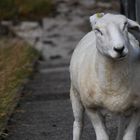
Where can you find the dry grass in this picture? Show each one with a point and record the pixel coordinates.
(15, 60)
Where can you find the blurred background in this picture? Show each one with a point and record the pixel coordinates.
(37, 39)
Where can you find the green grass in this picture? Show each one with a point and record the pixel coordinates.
(25, 9)
(16, 58)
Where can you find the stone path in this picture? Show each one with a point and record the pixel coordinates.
(44, 111)
(56, 37)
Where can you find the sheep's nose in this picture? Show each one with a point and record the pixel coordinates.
(119, 50)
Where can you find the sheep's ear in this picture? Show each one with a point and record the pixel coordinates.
(94, 18)
(133, 24)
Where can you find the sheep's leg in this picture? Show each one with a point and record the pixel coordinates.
(121, 127)
(78, 111)
(98, 124)
(130, 133)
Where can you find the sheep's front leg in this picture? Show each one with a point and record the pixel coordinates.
(121, 127)
(130, 133)
(78, 111)
(98, 125)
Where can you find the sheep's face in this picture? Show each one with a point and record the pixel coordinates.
(112, 35)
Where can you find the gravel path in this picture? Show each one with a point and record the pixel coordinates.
(44, 111)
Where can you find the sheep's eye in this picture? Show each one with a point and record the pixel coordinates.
(99, 31)
(125, 26)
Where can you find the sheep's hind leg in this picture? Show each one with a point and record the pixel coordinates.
(78, 111)
(98, 124)
(130, 133)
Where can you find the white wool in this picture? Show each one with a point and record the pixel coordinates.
(99, 75)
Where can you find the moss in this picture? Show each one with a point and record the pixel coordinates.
(16, 58)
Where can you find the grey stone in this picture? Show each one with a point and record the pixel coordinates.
(87, 3)
(26, 25)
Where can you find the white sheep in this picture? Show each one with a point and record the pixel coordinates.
(105, 74)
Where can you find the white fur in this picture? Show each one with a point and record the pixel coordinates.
(103, 78)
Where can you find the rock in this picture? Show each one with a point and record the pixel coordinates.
(7, 23)
(37, 33)
(27, 25)
(50, 24)
(29, 31)
(87, 3)
(106, 5)
(39, 46)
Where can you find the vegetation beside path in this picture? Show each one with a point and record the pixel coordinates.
(16, 60)
(16, 56)
(25, 9)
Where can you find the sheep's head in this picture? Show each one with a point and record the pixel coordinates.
(112, 34)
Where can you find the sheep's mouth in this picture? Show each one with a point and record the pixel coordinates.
(121, 56)
(115, 55)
